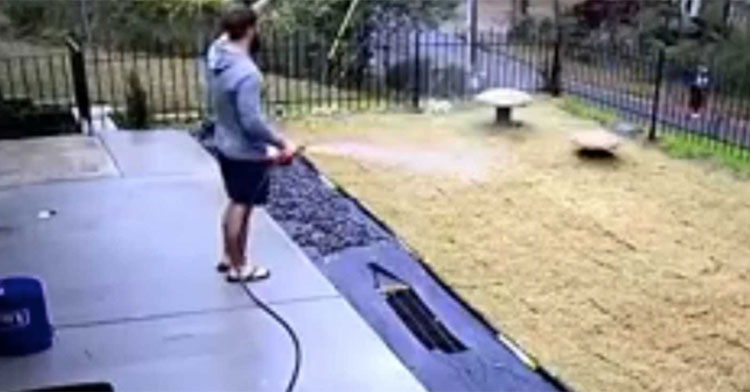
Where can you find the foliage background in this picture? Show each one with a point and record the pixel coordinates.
(135, 23)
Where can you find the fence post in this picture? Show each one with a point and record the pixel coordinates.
(555, 83)
(80, 84)
(657, 93)
(417, 77)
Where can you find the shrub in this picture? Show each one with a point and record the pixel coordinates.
(321, 19)
(136, 102)
(130, 23)
(401, 75)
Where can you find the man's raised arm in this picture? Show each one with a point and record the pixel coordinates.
(258, 5)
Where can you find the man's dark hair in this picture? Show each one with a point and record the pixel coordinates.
(237, 20)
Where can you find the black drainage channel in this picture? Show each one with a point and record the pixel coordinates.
(446, 344)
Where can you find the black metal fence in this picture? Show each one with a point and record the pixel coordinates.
(395, 69)
(37, 93)
(388, 70)
(611, 78)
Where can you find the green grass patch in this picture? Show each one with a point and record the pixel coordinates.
(684, 146)
(581, 108)
(675, 142)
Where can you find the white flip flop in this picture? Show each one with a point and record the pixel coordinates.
(248, 273)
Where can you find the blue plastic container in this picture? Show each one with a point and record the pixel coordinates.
(24, 324)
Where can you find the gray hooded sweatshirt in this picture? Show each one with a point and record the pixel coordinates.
(242, 132)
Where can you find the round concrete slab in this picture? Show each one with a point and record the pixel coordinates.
(596, 141)
(504, 97)
(504, 100)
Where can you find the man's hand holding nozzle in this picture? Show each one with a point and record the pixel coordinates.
(286, 155)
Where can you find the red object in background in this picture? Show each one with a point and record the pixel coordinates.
(596, 12)
(696, 100)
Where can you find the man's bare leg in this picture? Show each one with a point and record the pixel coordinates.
(235, 233)
(242, 241)
(226, 260)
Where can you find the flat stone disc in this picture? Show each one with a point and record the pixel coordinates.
(504, 97)
(596, 141)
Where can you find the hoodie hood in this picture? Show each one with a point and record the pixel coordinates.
(212, 54)
(218, 57)
(229, 63)
(221, 52)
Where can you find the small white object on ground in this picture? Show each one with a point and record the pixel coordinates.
(596, 141)
(46, 214)
(504, 100)
(437, 106)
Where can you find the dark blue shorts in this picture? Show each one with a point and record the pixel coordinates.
(246, 182)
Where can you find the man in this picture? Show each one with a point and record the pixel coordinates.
(246, 145)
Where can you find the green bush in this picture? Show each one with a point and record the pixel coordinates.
(37, 19)
(174, 23)
(321, 19)
(119, 22)
(136, 103)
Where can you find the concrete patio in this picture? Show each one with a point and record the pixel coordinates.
(128, 261)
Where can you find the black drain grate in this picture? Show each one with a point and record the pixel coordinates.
(415, 314)
(422, 323)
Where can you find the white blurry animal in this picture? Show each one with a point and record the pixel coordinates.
(437, 106)
(324, 110)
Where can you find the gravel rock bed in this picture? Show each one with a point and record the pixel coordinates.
(316, 217)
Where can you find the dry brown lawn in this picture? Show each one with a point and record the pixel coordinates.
(623, 275)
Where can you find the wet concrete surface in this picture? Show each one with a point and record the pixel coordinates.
(56, 158)
(158, 153)
(128, 264)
